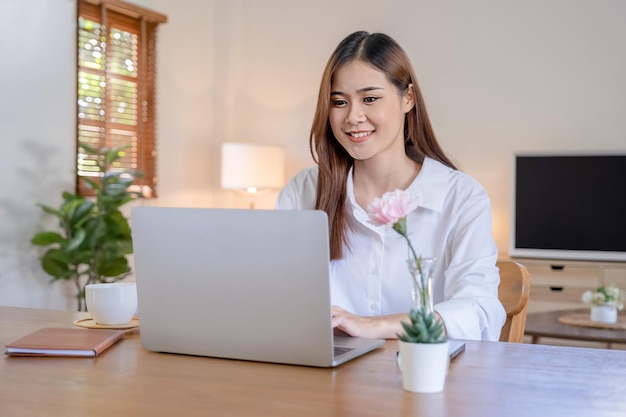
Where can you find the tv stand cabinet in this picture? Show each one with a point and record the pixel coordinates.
(559, 284)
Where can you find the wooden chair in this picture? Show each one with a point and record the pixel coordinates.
(513, 294)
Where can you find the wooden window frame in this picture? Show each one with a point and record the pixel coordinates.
(138, 131)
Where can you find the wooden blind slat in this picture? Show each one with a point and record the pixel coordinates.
(116, 92)
(125, 8)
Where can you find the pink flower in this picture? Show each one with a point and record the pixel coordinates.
(391, 207)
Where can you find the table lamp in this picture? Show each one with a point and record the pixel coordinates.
(252, 169)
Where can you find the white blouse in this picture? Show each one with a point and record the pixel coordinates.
(452, 223)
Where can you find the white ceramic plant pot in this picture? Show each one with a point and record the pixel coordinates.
(424, 366)
(604, 314)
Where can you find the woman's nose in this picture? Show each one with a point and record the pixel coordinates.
(355, 114)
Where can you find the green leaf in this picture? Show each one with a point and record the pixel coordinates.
(96, 231)
(111, 155)
(47, 238)
(409, 329)
(69, 208)
(113, 267)
(69, 196)
(115, 190)
(125, 247)
(423, 328)
(82, 211)
(126, 181)
(52, 211)
(131, 196)
(94, 185)
(88, 149)
(56, 263)
(118, 225)
(83, 256)
(76, 240)
(112, 176)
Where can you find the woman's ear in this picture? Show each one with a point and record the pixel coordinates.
(408, 99)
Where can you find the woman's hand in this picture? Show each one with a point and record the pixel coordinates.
(379, 327)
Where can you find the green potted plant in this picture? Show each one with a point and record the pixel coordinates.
(423, 328)
(423, 356)
(605, 301)
(424, 345)
(95, 236)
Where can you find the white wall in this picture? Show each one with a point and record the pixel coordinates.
(498, 77)
(37, 138)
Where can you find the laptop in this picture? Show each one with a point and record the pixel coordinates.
(238, 284)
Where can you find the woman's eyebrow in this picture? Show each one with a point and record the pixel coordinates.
(360, 90)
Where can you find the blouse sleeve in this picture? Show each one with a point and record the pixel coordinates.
(299, 193)
(471, 308)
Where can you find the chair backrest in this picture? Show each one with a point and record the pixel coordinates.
(513, 294)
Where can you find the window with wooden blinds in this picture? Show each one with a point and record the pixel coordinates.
(116, 88)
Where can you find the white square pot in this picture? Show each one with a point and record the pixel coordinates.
(424, 366)
(604, 314)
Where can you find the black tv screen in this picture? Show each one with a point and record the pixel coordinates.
(569, 207)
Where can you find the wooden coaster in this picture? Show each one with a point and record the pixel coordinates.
(583, 319)
(89, 323)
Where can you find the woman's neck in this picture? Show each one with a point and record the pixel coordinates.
(374, 177)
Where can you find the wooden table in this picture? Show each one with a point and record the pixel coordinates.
(547, 325)
(488, 379)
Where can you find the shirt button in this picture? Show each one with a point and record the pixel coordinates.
(373, 306)
(375, 271)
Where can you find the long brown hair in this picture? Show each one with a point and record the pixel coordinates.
(383, 53)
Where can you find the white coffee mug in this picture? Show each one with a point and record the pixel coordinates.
(111, 304)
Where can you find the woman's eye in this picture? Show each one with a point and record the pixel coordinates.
(370, 99)
(338, 103)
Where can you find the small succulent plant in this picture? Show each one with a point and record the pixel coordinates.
(425, 327)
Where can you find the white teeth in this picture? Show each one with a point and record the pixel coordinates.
(359, 135)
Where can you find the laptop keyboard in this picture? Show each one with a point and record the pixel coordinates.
(340, 350)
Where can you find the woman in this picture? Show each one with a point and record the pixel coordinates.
(371, 134)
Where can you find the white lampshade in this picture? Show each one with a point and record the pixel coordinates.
(252, 167)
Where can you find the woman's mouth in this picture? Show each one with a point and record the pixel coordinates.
(359, 136)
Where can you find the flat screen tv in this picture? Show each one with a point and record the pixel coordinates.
(569, 206)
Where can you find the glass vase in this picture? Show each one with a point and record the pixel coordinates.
(421, 271)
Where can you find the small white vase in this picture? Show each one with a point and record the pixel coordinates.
(424, 366)
(604, 314)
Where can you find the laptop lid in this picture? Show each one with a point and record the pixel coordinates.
(238, 284)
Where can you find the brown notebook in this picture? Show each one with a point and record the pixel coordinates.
(52, 341)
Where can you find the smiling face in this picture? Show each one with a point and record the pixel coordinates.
(367, 111)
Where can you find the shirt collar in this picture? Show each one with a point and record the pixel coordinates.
(430, 187)
(350, 189)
